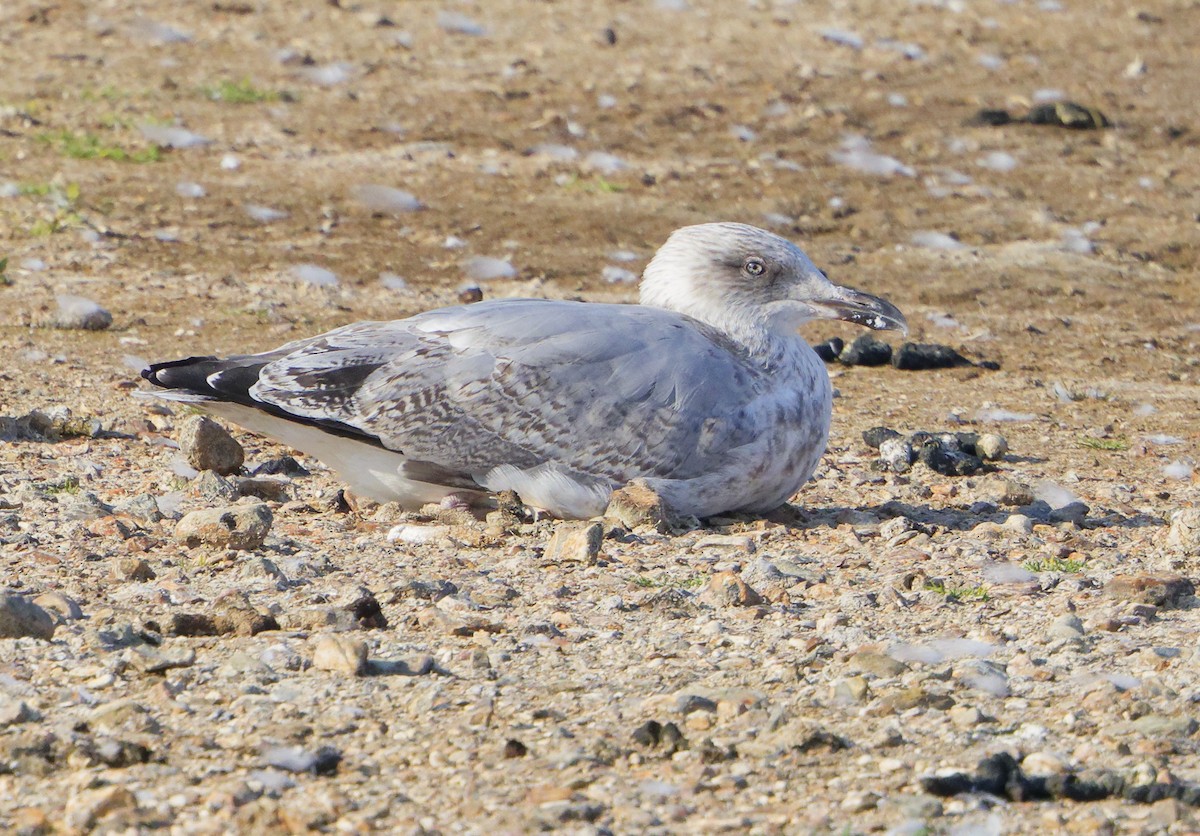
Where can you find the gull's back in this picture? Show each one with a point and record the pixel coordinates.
(561, 401)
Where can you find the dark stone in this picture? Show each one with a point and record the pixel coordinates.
(990, 365)
(1166, 590)
(877, 435)
(921, 356)
(822, 739)
(946, 459)
(514, 748)
(867, 351)
(990, 118)
(366, 611)
(1068, 115)
(711, 752)
(648, 733)
(945, 786)
(1075, 512)
(967, 442)
(191, 624)
(830, 349)
(282, 466)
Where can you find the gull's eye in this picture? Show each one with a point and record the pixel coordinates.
(754, 266)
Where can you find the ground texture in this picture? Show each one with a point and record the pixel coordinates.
(189, 166)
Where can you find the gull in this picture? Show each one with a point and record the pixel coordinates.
(705, 392)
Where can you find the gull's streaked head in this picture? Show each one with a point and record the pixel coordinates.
(725, 272)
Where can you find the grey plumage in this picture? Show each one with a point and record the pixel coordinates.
(564, 401)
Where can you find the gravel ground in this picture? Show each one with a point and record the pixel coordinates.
(181, 178)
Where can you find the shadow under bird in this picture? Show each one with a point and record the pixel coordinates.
(705, 391)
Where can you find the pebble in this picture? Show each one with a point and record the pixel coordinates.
(1069, 626)
(89, 808)
(340, 654)
(878, 664)
(637, 506)
(575, 542)
(875, 436)
(991, 447)
(866, 351)
(1005, 491)
(322, 761)
(830, 350)
(240, 527)
(1167, 591)
(727, 589)
(76, 312)
(14, 711)
(1184, 533)
(945, 459)
(921, 356)
(1044, 763)
(131, 569)
(59, 605)
(209, 446)
(897, 454)
(965, 716)
(20, 617)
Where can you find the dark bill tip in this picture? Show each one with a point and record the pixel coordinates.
(867, 310)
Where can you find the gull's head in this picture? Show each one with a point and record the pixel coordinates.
(723, 273)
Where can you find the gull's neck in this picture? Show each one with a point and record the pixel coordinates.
(767, 338)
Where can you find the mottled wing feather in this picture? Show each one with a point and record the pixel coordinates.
(608, 390)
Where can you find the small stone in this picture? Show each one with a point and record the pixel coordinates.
(1165, 591)
(85, 810)
(59, 605)
(14, 711)
(852, 690)
(574, 542)
(365, 610)
(132, 569)
(161, 659)
(1164, 726)
(340, 654)
(1044, 763)
(991, 447)
(1184, 533)
(1005, 491)
(242, 527)
(830, 349)
(209, 446)
(1019, 523)
(878, 664)
(921, 356)
(867, 351)
(859, 801)
(875, 436)
(965, 716)
(212, 488)
(192, 624)
(232, 613)
(1068, 626)
(726, 589)
(1072, 512)
(897, 454)
(20, 617)
(323, 761)
(942, 458)
(76, 312)
(638, 506)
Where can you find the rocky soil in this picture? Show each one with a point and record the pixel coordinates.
(204, 636)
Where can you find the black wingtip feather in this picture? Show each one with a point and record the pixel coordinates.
(179, 374)
(229, 379)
